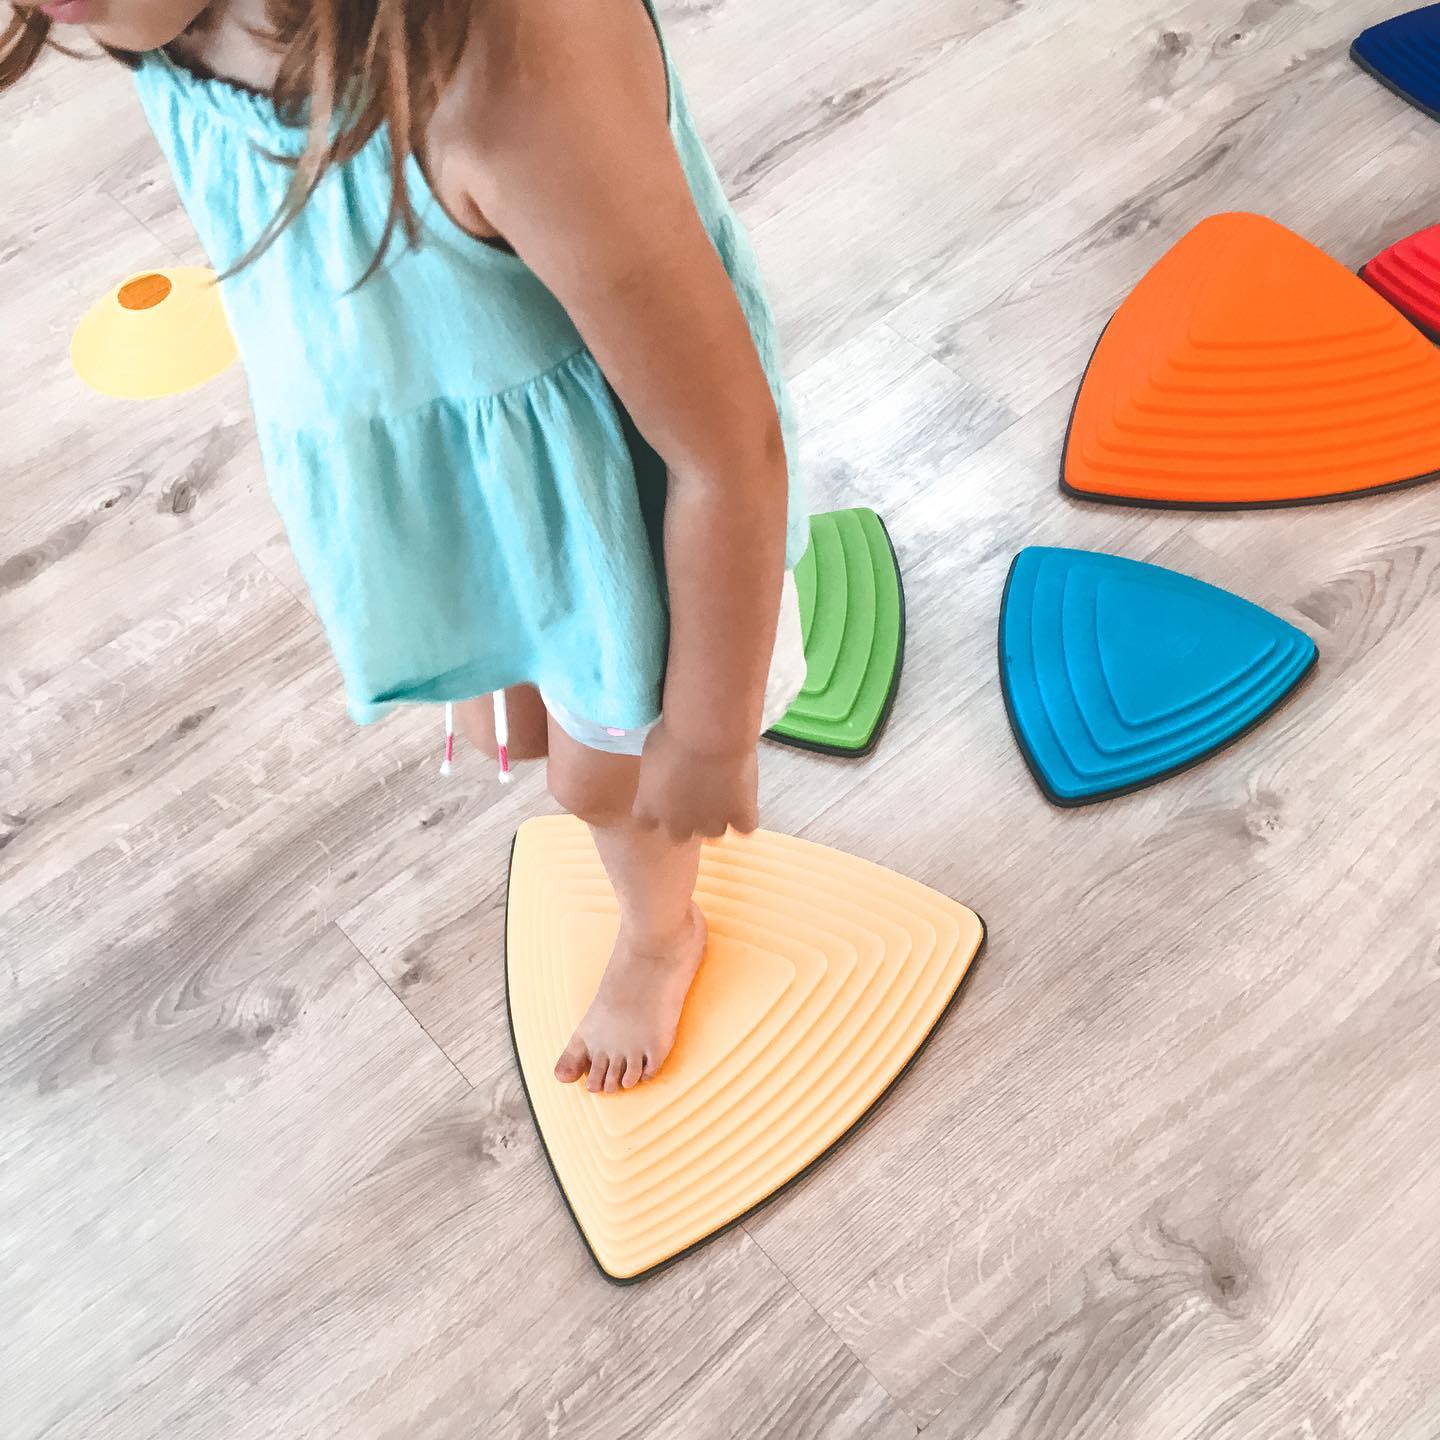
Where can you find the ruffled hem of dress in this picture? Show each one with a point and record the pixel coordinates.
(455, 688)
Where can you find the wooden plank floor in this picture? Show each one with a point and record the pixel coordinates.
(1171, 1171)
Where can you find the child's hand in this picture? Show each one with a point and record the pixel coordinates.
(688, 792)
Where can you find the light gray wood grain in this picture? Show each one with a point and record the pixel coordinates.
(1169, 1171)
(1022, 308)
(447, 1297)
(1005, 139)
(156, 1149)
(1248, 1034)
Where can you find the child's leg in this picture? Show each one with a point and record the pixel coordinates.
(529, 724)
(630, 1026)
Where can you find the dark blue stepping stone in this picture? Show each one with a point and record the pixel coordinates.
(1403, 54)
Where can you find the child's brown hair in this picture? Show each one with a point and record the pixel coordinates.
(347, 68)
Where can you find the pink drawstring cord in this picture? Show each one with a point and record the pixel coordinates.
(448, 763)
(502, 738)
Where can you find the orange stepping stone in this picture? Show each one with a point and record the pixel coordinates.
(1249, 368)
(823, 977)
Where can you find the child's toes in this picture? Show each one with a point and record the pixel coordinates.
(634, 1071)
(573, 1063)
(599, 1069)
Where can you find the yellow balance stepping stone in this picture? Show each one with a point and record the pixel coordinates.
(823, 977)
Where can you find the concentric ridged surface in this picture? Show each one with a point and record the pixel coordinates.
(1408, 276)
(1404, 55)
(853, 615)
(1118, 673)
(823, 976)
(1249, 368)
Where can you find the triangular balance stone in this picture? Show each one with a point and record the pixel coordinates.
(1249, 368)
(1408, 276)
(823, 977)
(1117, 674)
(1403, 54)
(852, 610)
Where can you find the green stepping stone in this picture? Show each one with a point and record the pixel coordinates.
(852, 611)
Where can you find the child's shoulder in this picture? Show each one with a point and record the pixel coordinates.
(552, 56)
(553, 85)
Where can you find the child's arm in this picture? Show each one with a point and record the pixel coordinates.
(564, 148)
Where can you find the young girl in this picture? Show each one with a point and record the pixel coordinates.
(518, 397)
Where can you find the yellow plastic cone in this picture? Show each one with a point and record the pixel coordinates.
(157, 333)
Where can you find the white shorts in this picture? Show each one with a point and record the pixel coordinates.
(787, 679)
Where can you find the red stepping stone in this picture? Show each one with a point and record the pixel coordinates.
(1408, 276)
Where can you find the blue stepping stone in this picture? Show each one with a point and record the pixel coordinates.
(1403, 54)
(1117, 674)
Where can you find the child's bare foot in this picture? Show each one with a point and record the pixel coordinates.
(630, 1026)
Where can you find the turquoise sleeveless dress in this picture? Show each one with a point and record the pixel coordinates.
(468, 501)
